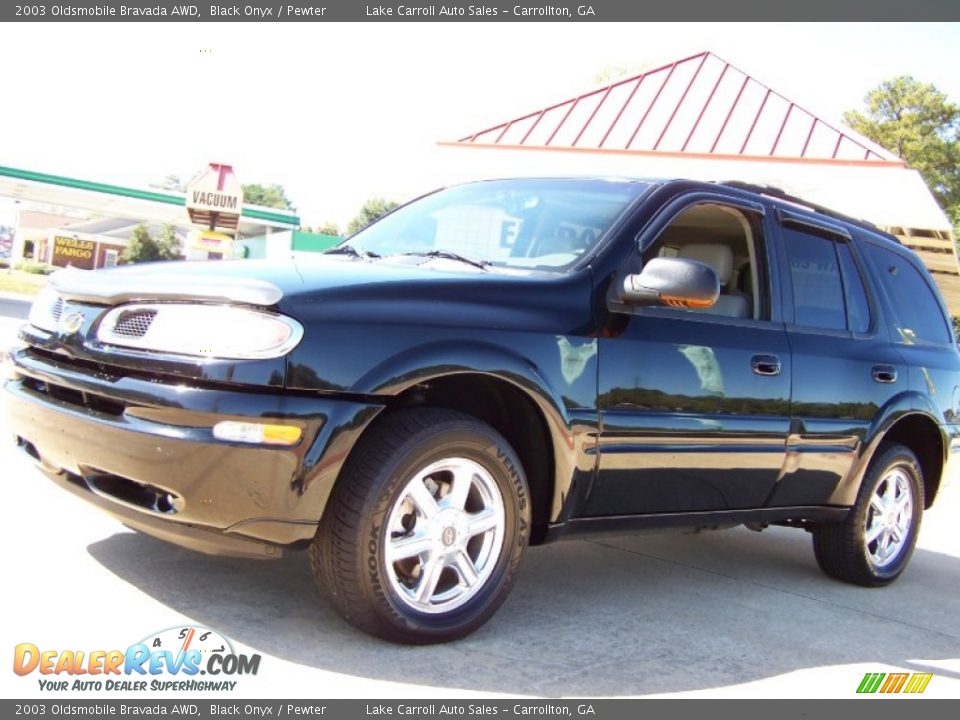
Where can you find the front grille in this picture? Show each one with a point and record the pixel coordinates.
(134, 323)
(56, 310)
(86, 400)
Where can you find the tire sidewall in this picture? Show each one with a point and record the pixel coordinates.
(906, 461)
(490, 451)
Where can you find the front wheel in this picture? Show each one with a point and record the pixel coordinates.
(873, 545)
(425, 529)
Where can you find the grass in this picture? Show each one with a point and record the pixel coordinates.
(17, 281)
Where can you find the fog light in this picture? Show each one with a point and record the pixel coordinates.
(257, 433)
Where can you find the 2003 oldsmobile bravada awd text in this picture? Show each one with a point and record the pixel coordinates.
(504, 363)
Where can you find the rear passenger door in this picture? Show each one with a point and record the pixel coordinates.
(844, 366)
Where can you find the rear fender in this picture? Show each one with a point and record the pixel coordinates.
(897, 408)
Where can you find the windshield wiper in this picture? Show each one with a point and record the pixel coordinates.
(351, 251)
(450, 255)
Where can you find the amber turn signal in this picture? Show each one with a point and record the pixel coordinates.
(257, 433)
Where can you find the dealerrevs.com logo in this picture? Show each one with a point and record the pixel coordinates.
(172, 660)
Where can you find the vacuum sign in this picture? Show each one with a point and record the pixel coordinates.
(215, 198)
(214, 201)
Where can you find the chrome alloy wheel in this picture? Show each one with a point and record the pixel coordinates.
(444, 535)
(889, 518)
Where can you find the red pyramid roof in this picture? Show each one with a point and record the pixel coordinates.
(699, 105)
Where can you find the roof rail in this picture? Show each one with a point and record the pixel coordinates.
(781, 194)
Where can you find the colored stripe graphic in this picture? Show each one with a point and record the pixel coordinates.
(870, 682)
(918, 683)
(894, 682)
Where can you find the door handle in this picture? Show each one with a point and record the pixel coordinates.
(884, 373)
(765, 364)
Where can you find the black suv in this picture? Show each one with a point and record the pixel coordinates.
(504, 363)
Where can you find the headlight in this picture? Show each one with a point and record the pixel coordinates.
(217, 331)
(46, 309)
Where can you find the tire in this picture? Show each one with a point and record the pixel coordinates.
(423, 534)
(854, 550)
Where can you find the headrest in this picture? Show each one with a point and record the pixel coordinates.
(717, 256)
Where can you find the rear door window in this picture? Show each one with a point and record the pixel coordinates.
(817, 287)
(858, 307)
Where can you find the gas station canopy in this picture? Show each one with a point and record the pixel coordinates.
(145, 205)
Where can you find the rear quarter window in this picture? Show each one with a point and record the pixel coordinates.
(916, 310)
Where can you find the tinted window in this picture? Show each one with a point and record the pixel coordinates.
(858, 309)
(915, 306)
(727, 239)
(817, 288)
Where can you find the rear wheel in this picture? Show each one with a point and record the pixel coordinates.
(425, 530)
(873, 545)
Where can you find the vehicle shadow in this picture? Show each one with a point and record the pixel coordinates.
(616, 616)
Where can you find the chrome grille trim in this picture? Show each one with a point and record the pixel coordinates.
(46, 310)
(160, 328)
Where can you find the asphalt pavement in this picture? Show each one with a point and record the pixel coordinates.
(14, 307)
(719, 614)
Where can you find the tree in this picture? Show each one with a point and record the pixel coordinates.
(916, 122)
(170, 182)
(168, 243)
(328, 228)
(144, 248)
(372, 210)
(611, 73)
(273, 196)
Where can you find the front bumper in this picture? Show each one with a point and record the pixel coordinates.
(142, 448)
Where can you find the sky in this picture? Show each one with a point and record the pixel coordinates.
(341, 112)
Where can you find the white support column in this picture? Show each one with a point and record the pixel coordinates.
(16, 251)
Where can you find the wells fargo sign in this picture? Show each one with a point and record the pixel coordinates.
(71, 251)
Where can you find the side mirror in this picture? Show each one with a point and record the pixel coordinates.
(677, 282)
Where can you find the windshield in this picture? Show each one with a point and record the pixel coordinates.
(544, 224)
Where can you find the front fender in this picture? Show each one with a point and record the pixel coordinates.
(441, 359)
(422, 363)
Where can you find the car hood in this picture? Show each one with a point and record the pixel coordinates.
(266, 282)
(434, 291)
(341, 288)
(247, 282)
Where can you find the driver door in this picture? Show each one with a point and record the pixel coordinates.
(695, 404)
